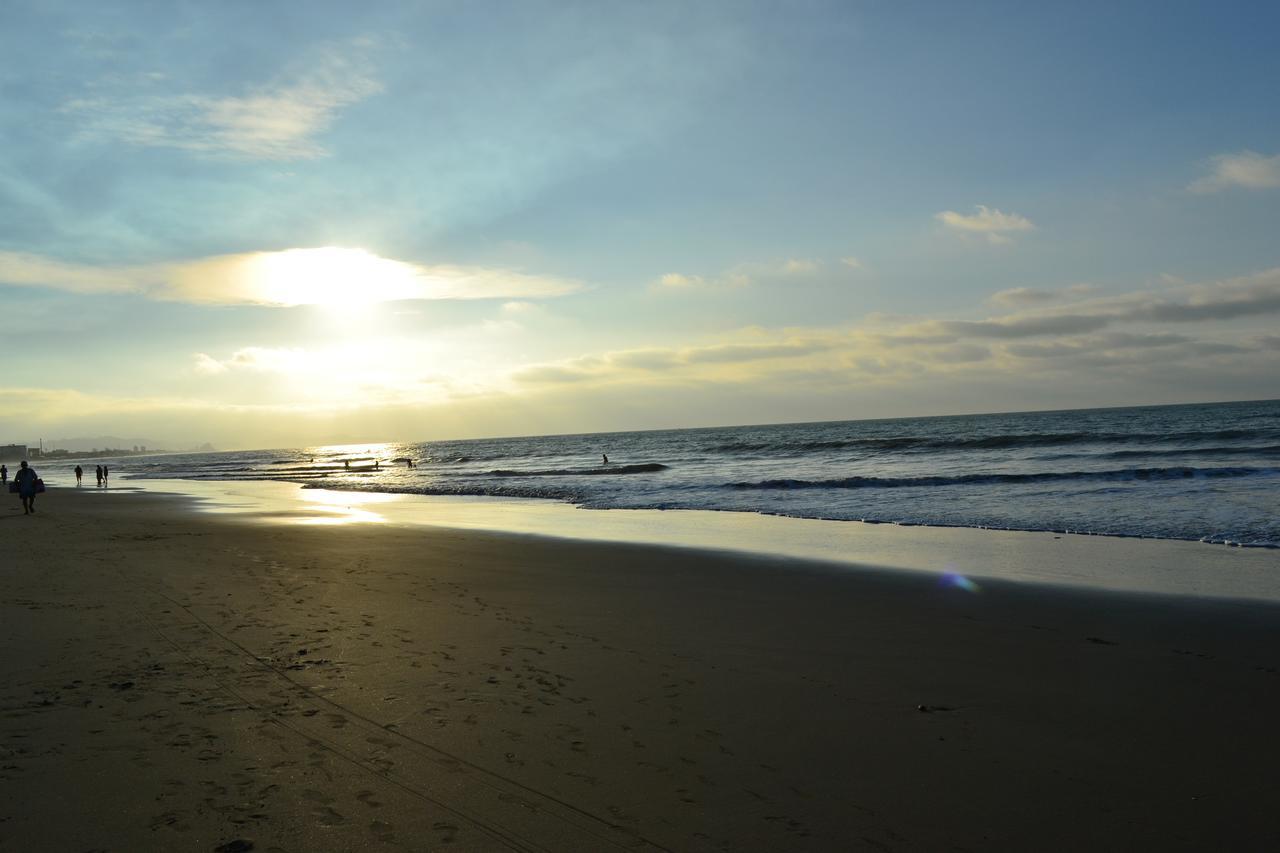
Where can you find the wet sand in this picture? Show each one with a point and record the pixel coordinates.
(183, 681)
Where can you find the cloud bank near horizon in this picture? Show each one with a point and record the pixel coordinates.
(1171, 339)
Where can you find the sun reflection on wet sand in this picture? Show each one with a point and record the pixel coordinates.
(961, 556)
(281, 503)
(341, 507)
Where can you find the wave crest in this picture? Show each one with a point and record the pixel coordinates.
(1123, 475)
(641, 468)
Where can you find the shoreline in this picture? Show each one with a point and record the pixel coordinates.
(1084, 561)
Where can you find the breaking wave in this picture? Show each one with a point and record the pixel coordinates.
(1122, 475)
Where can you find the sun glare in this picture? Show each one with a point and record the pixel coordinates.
(332, 277)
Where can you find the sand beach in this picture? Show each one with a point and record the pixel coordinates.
(177, 680)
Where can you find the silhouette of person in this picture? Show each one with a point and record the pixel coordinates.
(98, 472)
(26, 479)
(410, 461)
(79, 474)
(105, 474)
(4, 475)
(606, 458)
(346, 463)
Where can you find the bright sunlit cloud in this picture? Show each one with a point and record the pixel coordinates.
(989, 222)
(329, 276)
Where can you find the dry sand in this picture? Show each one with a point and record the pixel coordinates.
(178, 681)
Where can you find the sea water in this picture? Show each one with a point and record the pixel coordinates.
(1206, 472)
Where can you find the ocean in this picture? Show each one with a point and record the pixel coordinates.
(1208, 472)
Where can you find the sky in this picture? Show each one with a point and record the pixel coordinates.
(268, 224)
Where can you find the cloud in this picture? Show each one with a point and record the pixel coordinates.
(1018, 296)
(1247, 170)
(741, 275)
(1059, 331)
(680, 280)
(28, 270)
(675, 281)
(1255, 295)
(316, 276)
(851, 262)
(671, 362)
(1021, 297)
(1100, 343)
(257, 360)
(1021, 327)
(1225, 300)
(209, 365)
(519, 308)
(278, 120)
(988, 222)
(645, 359)
(750, 352)
(1176, 342)
(799, 266)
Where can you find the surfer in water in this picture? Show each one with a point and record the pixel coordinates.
(605, 457)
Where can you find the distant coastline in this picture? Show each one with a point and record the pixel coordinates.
(15, 452)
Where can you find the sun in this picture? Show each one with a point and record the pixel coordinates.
(332, 277)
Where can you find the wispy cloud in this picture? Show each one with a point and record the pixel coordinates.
(799, 266)
(740, 275)
(995, 225)
(257, 360)
(679, 281)
(1246, 170)
(1024, 297)
(277, 120)
(29, 270)
(672, 361)
(208, 365)
(328, 275)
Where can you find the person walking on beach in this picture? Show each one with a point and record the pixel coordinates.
(79, 474)
(98, 472)
(26, 479)
(105, 474)
(4, 475)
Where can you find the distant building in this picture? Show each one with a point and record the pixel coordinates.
(13, 452)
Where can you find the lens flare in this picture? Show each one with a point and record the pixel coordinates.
(959, 581)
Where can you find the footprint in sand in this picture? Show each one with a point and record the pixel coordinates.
(327, 816)
(239, 845)
(450, 831)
